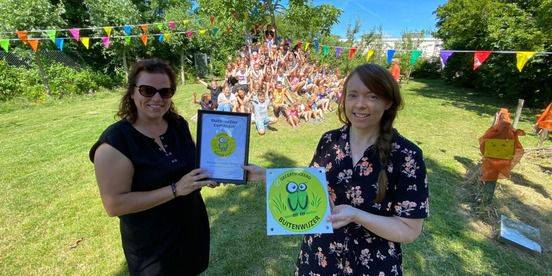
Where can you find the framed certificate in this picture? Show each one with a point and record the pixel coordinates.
(297, 201)
(223, 144)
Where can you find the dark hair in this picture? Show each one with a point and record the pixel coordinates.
(127, 108)
(380, 82)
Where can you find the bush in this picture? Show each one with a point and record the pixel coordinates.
(427, 68)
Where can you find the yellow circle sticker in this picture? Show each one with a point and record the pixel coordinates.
(297, 201)
(223, 144)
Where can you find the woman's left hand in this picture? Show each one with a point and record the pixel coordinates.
(254, 172)
(342, 215)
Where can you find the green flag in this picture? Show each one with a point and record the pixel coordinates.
(160, 26)
(5, 43)
(127, 40)
(325, 50)
(52, 35)
(415, 55)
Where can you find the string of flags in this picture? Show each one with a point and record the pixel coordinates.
(166, 29)
(479, 56)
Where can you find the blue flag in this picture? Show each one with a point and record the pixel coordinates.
(390, 54)
(59, 43)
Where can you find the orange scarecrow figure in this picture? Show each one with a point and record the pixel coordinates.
(500, 147)
(396, 70)
(544, 121)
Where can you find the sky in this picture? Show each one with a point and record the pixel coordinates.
(395, 16)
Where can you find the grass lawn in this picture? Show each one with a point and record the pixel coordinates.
(52, 220)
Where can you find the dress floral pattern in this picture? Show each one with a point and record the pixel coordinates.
(352, 249)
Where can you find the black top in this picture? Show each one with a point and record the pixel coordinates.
(171, 238)
(215, 91)
(352, 249)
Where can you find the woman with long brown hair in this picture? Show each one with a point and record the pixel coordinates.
(376, 180)
(144, 166)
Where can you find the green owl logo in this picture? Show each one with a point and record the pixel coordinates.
(223, 144)
(298, 198)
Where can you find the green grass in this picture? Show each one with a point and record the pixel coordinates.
(52, 220)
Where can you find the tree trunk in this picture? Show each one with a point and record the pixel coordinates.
(42, 73)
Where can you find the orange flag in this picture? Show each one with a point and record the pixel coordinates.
(22, 35)
(144, 28)
(545, 119)
(500, 147)
(144, 39)
(34, 44)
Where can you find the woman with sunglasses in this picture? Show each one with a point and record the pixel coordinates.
(145, 169)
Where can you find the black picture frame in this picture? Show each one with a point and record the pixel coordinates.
(200, 146)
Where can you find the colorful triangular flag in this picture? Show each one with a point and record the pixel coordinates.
(189, 34)
(159, 26)
(369, 55)
(5, 44)
(127, 40)
(352, 52)
(414, 56)
(215, 30)
(86, 42)
(144, 39)
(185, 21)
(144, 28)
(522, 58)
(34, 44)
(172, 25)
(108, 30)
(325, 50)
(160, 38)
(202, 32)
(315, 44)
(338, 51)
(22, 35)
(52, 35)
(212, 19)
(59, 43)
(445, 56)
(390, 54)
(106, 41)
(127, 29)
(167, 36)
(75, 33)
(479, 57)
(307, 46)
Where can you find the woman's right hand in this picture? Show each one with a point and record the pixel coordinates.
(193, 181)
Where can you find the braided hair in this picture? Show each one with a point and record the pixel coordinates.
(380, 82)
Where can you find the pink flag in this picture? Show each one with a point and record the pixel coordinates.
(172, 25)
(105, 41)
(479, 57)
(75, 33)
(189, 34)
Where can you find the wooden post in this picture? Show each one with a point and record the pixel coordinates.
(518, 113)
(542, 137)
(42, 73)
(182, 75)
(125, 64)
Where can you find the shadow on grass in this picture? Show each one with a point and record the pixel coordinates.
(277, 160)
(519, 179)
(123, 270)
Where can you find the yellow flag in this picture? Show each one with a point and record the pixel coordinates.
(369, 55)
(307, 45)
(202, 32)
(167, 36)
(522, 58)
(85, 41)
(108, 30)
(185, 21)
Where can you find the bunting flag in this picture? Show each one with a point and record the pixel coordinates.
(167, 36)
(189, 34)
(445, 56)
(315, 44)
(202, 32)
(144, 28)
(338, 51)
(22, 35)
(75, 33)
(522, 58)
(307, 45)
(390, 54)
(144, 39)
(106, 41)
(59, 43)
(160, 26)
(160, 38)
(186, 21)
(479, 57)
(414, 56)
(108, 30)
(127, 29)
(5, 43)
(86, 42)
(369, 55)
(172, 25)
(52, 35)
(352, 52)
(34, 43)
(215, 30)
(325, 50)
(127, 40)
(212, 19)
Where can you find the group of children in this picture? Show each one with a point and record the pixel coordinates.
(277, 77)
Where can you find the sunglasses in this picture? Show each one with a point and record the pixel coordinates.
(150, 91)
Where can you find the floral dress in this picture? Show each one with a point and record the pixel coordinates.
(352, 249)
